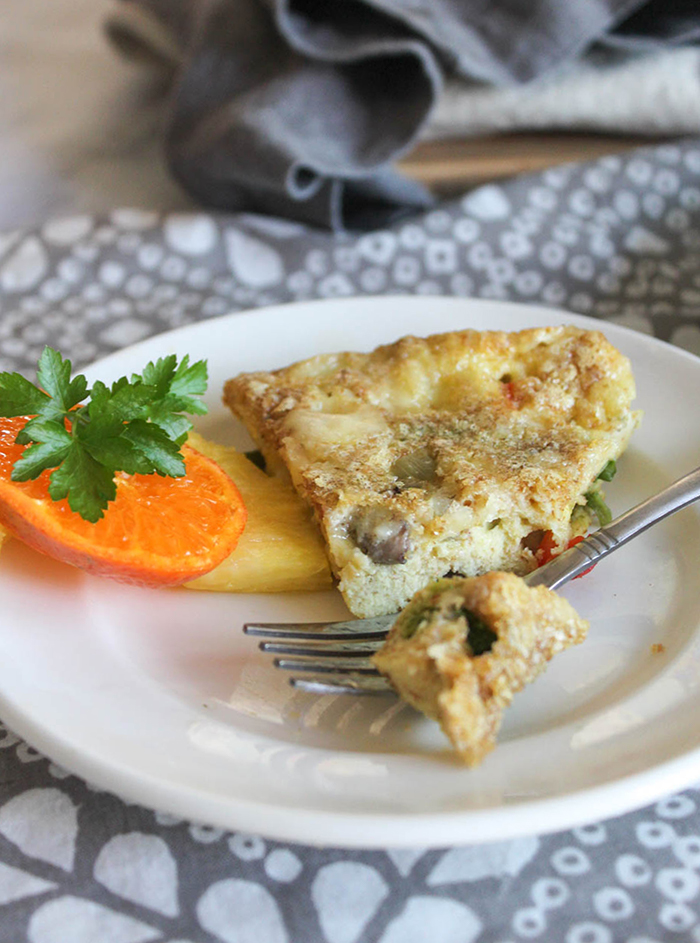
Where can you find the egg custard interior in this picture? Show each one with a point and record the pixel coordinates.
(458, 453)
(463, 647)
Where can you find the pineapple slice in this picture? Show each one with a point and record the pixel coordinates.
(280, 549)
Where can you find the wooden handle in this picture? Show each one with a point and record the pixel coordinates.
(451, 165)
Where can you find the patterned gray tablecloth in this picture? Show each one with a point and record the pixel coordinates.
(617, 239)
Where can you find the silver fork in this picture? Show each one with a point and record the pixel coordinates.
(334, 657)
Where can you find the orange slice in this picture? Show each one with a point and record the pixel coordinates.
(157, 532)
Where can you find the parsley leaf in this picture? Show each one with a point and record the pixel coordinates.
(53, 374)
(134, 426)
(155, 445)
(88, 485)
(177, 386)
(19, 397)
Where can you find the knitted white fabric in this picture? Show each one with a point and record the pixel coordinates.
(655, 94)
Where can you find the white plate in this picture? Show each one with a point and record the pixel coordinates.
(158, 696)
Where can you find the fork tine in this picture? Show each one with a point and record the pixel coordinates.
(357, 629)
(332, 667)
(342, 668)
(365, 685)
(340, 650)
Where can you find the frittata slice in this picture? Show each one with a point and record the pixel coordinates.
(455, 453)
(463, 647)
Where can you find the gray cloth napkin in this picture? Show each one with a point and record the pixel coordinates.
(300, 108)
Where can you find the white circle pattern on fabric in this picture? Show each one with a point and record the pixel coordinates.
(655, 834)
(283, 865)
(678, 884)
(548, 893)
(570, 861)
(205, 834)
(632, 871)
(529, 922)
(677, 918)
(613, 903)
(465, 230)
(675, 807)
(247, 847)
(687, 850)
(589, 932)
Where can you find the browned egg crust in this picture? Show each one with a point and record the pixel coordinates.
(451, 453)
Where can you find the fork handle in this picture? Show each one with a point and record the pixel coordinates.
(599, 544)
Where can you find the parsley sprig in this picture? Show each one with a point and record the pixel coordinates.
(136, 425)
